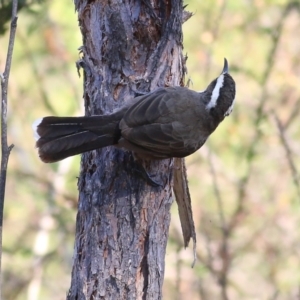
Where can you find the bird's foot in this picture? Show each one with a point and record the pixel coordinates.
(139, 93)
(139, 169)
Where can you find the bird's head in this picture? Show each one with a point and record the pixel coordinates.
(220, 94)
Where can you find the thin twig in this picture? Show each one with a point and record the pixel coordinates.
(215, 30)
(288, 153)
(260, 115)
(224, 243)
(5, 149)
(294, 115)
(217, 194)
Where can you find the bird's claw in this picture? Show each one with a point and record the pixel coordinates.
(144, 174)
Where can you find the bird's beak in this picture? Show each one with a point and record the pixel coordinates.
(225, 68)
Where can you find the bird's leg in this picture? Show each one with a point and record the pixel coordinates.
(139, 169)
(139, 93)
(138, 156)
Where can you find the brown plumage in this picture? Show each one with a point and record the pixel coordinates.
(169, 122)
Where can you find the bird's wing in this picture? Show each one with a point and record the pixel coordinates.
(163, 123)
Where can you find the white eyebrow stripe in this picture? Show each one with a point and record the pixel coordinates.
(216, 92)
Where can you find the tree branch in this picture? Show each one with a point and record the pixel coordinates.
(224, 251)
(288, 152)
(5, 149)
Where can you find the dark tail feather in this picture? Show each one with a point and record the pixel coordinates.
(61, 137)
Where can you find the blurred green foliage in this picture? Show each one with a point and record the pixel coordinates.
(244, 183)
(6, 11)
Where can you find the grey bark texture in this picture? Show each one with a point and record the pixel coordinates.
(129, 47)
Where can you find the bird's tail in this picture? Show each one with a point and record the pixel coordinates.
(61, 137)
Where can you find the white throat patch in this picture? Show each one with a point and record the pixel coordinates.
(216, 92)
(229, 110)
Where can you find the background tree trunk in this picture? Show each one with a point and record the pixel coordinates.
(122, 222)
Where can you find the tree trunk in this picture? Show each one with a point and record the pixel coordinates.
(129, 47)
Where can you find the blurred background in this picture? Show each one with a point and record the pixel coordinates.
(244, 182)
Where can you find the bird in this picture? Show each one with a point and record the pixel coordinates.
(168, 122)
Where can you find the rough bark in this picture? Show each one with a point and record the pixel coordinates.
(129, 47)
